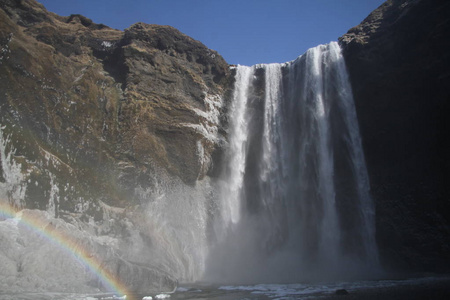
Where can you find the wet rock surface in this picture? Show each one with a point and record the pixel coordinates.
(40, 253)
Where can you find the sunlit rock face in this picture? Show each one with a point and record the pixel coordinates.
(398, 63)
(110, 128)
(117, 104)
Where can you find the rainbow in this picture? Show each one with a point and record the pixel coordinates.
(69, 244)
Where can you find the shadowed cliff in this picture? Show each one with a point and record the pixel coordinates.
(399, 64)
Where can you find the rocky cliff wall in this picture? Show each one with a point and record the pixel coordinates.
(399, 65)
(111, 108)
(109, 132)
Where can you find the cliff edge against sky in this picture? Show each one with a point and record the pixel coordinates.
(118, 105)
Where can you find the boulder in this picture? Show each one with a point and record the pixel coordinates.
(341, 292)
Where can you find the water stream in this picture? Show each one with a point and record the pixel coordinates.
(295, 189)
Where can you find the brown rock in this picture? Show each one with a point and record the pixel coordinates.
(114, 108)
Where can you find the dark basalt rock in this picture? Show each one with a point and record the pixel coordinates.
(341, 292)
(399, 63)
(131, 275)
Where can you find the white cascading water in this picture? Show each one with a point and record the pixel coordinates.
(295, 188)
(238, 147)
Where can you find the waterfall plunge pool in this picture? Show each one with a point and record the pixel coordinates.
(435, 287)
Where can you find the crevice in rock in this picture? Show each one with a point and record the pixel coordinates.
(114, 63)
(86, 22)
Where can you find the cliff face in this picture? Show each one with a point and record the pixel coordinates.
(98, 124)
(120, 106)
(399, 64)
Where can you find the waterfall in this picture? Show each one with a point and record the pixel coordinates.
(295, 190)
(291, 202)
(238, 143)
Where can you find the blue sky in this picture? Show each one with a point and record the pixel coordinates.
(243, 31)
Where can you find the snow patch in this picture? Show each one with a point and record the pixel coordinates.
(107, 44)
(209, 118)
(15, 184)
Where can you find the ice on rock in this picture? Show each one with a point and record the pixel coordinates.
(107, 44)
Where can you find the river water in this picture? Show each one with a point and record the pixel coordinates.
(436, 287)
